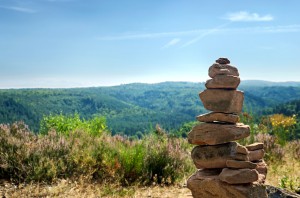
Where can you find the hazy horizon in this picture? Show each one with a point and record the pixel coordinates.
(58, 87)
(75, 43)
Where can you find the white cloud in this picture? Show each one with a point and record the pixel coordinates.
(246, 16)
(18, 9)
(171, 43)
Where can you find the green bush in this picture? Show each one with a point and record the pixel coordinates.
(65, 124)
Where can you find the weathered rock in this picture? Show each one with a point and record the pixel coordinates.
(261, 179)
(256, 155)
(255, 146)
(222, 69)
(242, 149)
(223, 60)
(238, 176)
(223, 82)
(240, 164)
(215, 156)
(211, 173)
(275, 192)
(216, 133)
(262, 167)
(212, 187)
(218, 117)
(221, 100)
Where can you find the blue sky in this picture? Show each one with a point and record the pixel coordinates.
(80, 43)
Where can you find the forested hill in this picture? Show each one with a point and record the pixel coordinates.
(134, 107)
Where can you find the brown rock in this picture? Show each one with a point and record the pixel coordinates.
(220, 100)
(215, 156)
(223, 82)
(216, 133)
(240, 164)
(255, 146)
(238, 176)
(261, 167)
(222, 69)
(223, 60)
(219, 117)
(212, 173)
(242, 149)
(256, 155)
(212, 187)
(261, 178)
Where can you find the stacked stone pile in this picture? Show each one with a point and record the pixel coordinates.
(226, 168)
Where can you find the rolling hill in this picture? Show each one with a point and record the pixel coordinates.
(134, 107)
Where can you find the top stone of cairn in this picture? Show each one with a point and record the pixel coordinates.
(223, 60)
(222, 67)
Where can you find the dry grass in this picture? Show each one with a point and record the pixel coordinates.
(67, 188)
(286, 169)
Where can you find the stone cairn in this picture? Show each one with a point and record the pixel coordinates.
(225, 168)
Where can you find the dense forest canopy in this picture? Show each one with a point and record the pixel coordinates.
(139, 107)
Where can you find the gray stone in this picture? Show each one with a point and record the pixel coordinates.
(212, 187)
(215, 133)
(238, 176)
(215, 156)
(240, 164)
(275, 192)
(222, 69)
(223, 82)
(221, 100)
(218, 117)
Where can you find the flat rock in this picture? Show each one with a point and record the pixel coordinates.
(238, 176)
(255, 146)
(222, 69)
(221, 100)
(256, 155)
(275, 192)
(223, 60)
(240, 164)
(216, 133)
(215, 156)
(202, 187)
(223, 82)
(242, 149)
(218, 117)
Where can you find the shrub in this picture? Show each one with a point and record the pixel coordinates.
(168, 159)
(25, 157)
(65, 124)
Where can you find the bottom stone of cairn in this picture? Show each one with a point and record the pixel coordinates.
(206, 184)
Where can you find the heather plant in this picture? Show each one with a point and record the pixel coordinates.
(25, 157)
(168, 159)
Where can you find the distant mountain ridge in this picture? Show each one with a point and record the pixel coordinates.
(263, 83)
(130, 108)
